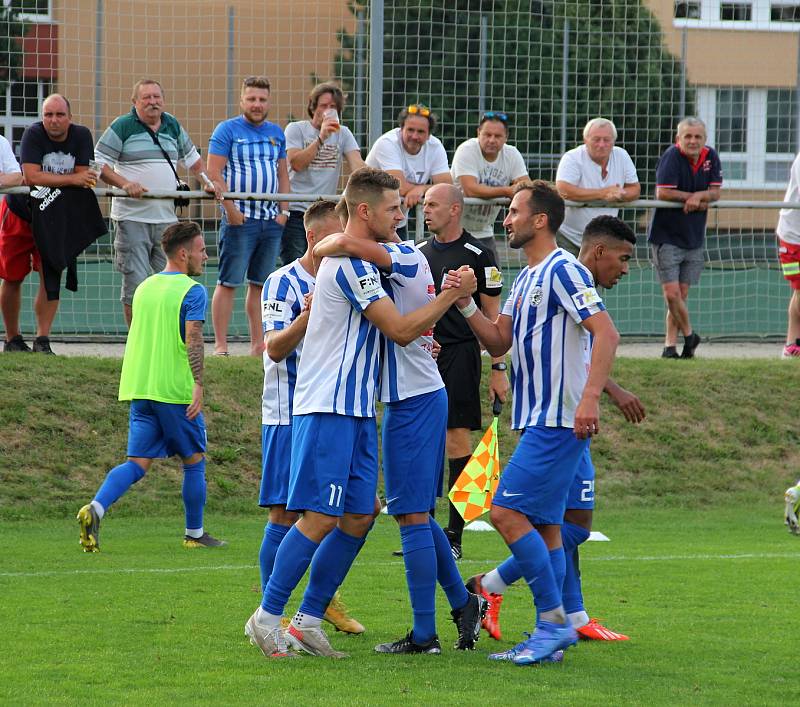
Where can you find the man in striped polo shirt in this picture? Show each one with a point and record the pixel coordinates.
(247, 154)
(131, 151)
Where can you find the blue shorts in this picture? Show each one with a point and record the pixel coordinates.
(334, 466)
(581, 493)
(250, 249)
(537, 478)
(414, 432)
(158, 430)
(276, 458)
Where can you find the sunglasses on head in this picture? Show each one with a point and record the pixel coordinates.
(495, 115)
(418, 109)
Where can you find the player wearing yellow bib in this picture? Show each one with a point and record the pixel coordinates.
(162, 377)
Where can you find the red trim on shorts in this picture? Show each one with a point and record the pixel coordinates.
(790, 253)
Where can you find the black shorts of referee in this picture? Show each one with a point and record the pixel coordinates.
(460, 368)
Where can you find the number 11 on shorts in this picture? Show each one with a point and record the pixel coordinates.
(336, 494)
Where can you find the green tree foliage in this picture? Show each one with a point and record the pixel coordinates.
(617, 67)
(11, 31)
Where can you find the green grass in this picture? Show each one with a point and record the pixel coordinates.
(699, 572)
(707, 597)
(717, 431)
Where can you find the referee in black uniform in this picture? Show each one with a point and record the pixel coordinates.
(460, 358)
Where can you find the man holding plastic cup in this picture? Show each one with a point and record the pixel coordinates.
(315, 149)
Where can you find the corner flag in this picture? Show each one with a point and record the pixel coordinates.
(473, 491)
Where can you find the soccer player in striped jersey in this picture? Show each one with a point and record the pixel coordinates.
(607, 245)
(557, 379)
(285, 317)
(413, 440)
(334, 472)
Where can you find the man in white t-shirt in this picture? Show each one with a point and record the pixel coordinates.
(486, 167)
(594, 171)
(411, 154)
(789, 253)
(315, 149)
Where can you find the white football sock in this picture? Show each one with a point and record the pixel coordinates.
(264, 618)
(493, 583)
(578, 619)
(98, 509)
(194, 532)
(301, 621)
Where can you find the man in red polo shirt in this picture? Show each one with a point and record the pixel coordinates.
(688, 172)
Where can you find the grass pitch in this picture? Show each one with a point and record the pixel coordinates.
(706, 597)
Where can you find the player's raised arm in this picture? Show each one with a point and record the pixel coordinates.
(495, 336)
(403, 329)
(280, 343)
(340, 244)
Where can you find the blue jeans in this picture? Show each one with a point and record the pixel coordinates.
(250, 249)
(293, 240)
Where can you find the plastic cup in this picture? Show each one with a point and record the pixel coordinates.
(333, 115)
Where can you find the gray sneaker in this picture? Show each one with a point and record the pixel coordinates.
(313, 641)
(205, 540)
(89, 523)
(270, 639)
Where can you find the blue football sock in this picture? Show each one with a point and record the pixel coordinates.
(291, 562)
(446, 571)
(558, 563)
(509, 570)
(419, 557)
(534, 560)
(572, 594)
(194, 493)
(273, 534)
(329, 567)
(117, 482)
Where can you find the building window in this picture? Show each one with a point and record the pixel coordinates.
(34, 10)
(767, 15)
(736, 11)
(784, 13)
(687, 10)
(731, 129)
(755, 132)
(20, 106)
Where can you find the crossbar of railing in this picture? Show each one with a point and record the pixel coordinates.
(252, 196)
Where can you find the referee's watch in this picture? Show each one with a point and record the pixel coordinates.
(499, 366)
(285, 213)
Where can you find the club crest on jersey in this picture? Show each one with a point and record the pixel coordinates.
(586, 298)
(369, 285)
(536, 296)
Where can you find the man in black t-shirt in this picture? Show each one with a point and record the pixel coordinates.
(460, 358)
(54, 152)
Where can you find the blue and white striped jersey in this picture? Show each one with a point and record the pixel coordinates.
(340, 365)
(410, 370)
(281, 303)
(550, 350)
(253, 152)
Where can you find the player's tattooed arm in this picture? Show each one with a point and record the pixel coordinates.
(195, 353)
